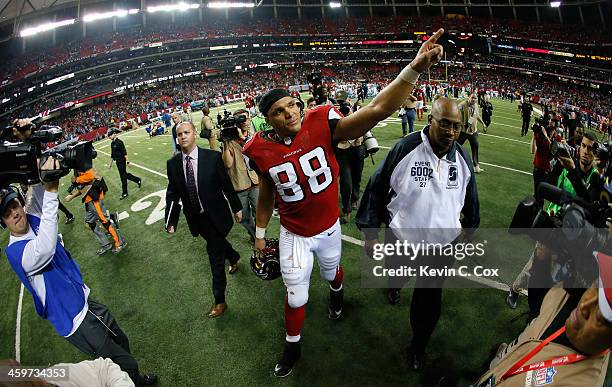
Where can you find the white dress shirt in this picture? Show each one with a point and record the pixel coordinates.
(194, 164)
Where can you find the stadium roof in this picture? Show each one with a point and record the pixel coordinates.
(12, 11)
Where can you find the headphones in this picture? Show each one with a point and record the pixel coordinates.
(6, 196)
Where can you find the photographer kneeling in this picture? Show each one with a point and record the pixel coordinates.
(54, 279)
(245, 181)
(567, 344)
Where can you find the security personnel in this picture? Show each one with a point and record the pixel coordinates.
(93, 188)
(566, 345)
(425, 182)
(119, 155)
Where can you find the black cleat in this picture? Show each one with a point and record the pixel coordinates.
(70, 219)
(415, 360)
(139, 183)
(147, 379)
(291, 355)
(393, 296)
(123, 196)
(336, 301)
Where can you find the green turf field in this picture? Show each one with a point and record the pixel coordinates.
(159, 288)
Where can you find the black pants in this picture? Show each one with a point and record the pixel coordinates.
(487, 120)
(473, 140)
(539, 176)
(125, 176)
(351, 167)
(426, 305)
(539, 284)
(99, 335)
(65, 210)
(525, 127)
(218, 249)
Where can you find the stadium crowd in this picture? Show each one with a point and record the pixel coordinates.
(594, 105)
(21, 65)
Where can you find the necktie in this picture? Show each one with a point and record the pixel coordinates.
(191, 184)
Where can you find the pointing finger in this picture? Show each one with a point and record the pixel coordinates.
(434, 38)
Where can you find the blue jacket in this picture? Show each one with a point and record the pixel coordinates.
(65, 291)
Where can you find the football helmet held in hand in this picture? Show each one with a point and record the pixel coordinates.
(266, 263)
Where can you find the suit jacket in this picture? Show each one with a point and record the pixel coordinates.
(213, 183)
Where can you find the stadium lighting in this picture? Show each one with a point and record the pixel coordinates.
(107, 15)
(44, 27)
(173, 7)
(555, 4)
(334, 4)
(225, 4)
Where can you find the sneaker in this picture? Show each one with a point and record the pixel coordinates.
(336, 301)
(512, 298)
(70, 219)
(393, 296)
(119, 248)
(123, 196)
(291, 355)
(139, 183)
(104, 249)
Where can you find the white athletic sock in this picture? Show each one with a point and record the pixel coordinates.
(293, 339)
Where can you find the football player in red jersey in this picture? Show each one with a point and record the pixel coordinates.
(295, 161)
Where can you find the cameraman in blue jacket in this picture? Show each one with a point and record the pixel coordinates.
(54, 279)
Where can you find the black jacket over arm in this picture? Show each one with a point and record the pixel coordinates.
(213, 183)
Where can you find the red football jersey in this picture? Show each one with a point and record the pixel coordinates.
(304, 172)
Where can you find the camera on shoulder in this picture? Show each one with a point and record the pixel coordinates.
(230, 127)
(575, 230)
(20, 158)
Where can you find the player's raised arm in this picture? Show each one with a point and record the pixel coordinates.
(391, 97)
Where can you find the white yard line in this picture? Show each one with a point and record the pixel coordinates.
(510, 126)
(491, 165)
(140, 166)
(507, 168)
(18, 326)
(507, 117)
(504, 138)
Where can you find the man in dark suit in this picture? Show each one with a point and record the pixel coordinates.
(198, 178)
(177, 119)
(119, 155)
